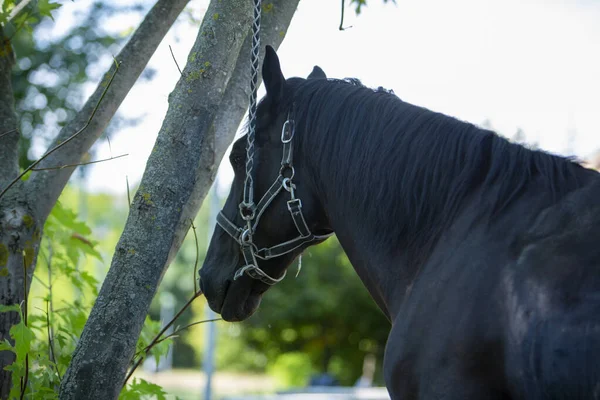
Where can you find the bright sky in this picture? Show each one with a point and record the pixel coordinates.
(526, 64)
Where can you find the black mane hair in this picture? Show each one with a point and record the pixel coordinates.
(418, 163)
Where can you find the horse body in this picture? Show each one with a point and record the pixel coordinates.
(509, 311)
(490, 314)
(482, 254)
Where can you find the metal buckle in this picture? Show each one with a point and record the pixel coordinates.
(289, 186)
(287, 132)
(246, 237)
(294, 203)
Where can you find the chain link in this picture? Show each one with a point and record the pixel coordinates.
(248, 201)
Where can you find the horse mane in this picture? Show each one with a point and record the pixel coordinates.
(414, 163)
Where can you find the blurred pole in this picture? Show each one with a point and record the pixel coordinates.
(167, 312)
(209, 353)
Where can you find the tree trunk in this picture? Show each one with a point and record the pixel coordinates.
(18, 244)
(182, 166)
(25, 206)
(9, 136)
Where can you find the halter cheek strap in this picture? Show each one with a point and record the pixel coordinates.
(252, 215)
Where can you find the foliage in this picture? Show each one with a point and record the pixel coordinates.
(292, 369)
(140, 388)
(45, 339)
(53, 69)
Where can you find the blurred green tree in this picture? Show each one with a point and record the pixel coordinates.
(52, 70)
(325, 312)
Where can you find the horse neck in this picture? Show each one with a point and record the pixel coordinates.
(378, 257)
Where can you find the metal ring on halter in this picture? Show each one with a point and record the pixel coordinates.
(289, 124)
(247, 208)
(287, 167)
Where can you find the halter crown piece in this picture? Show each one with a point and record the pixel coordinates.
(251, 215)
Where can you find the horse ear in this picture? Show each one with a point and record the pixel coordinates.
(317, 73)
(272, 75)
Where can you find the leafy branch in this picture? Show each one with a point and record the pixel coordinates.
(51, 341)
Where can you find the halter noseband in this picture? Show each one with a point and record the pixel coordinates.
(251, 214)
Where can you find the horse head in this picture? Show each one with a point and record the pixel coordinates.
(272, 212)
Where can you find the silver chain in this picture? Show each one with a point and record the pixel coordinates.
(248, 201)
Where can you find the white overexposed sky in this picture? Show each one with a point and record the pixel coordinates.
(525, 64)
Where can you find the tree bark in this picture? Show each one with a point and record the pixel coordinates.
(26, 205)
(9, 136)
(213, 90)
(275, 21)
(16, 222)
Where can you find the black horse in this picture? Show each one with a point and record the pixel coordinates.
(483, 254)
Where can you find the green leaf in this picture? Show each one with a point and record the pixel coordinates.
(15, 368)
(68, 219)
(7, 7)
(45, 8)
(358, 4)
(6, 346)
(160, 349)
(140, 389)
(12, 307)
(23, 337)
(90, 281)
(84, 245)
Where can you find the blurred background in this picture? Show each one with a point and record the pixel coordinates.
(527, 69)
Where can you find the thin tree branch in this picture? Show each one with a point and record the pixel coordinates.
(128, 194)
(41, 282)
(159, 334)
(80, 164)
(9, 132)
(197, 257)
(73, 136)
(187, 326)
(109, 144)
(51, 341)
(341, 28)
(173, 55)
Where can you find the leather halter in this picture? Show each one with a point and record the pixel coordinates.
(252, 213)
